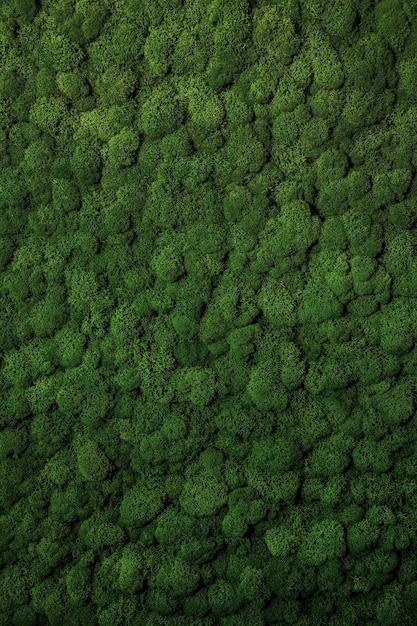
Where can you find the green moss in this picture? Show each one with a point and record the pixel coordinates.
(207, 292)
(162, 112)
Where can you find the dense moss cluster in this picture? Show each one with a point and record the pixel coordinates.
(208, 321)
